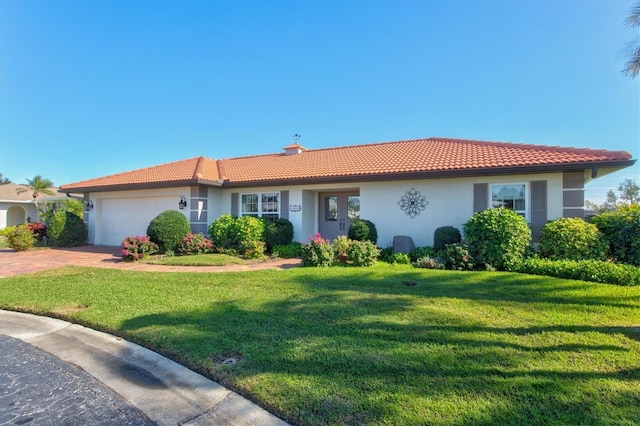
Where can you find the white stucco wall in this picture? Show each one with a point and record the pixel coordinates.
(450, 203)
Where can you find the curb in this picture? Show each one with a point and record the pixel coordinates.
(167, 392)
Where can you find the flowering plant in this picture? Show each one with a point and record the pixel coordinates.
(318, 252)
(195, 244)
(38, 229)
(137, 247)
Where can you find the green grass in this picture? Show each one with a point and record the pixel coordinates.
(382, 345)
(196, 260)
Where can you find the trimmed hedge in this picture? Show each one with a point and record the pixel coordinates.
(278, 232)
(621, 230)
(363, 230)
(168, 229)
(572, 239)
(586, 270)
(497, 237)
(67, 229)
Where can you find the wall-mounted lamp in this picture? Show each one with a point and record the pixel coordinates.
(89, 205)
(182, 203)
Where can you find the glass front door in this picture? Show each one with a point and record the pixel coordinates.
(337, 211)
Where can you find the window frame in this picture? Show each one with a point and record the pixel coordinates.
(527, 198)
(261, 204)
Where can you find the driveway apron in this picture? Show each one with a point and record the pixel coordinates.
(35, 260)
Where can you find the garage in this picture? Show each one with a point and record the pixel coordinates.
(122, 217)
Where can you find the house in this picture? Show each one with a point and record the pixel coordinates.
(406, 188)
(20, 208)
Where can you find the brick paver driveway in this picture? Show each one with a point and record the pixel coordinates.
(34, 260)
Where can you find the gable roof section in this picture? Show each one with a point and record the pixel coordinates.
(192, 171)
(432, 157)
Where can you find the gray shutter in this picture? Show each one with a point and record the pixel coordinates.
(538, 207)
(480, 197)
(284, 204)
(234, 204)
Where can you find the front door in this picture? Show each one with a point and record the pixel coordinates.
(337, 211)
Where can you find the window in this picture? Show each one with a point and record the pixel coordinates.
(510, 196)
(331, 209)
(265, 205)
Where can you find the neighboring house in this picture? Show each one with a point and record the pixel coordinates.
(19, 208)
(405, 188)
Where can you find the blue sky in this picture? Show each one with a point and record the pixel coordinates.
(90, 88)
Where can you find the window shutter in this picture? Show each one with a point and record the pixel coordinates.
(234, 204)
(480, 197)
(538, 207)
(284, 204)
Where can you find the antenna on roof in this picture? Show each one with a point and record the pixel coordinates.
(296, 138)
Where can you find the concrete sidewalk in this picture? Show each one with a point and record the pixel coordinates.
(166, 392)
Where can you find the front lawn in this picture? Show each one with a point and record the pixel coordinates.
(381, 345)
(211, 259)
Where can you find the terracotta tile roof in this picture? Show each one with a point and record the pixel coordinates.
(379, 160)
(413, 156)
(185, 172)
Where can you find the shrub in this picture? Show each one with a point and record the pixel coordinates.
(242, 235)
(19, 238)
(428, 263)
(456, 257)
(137, 247)
(249, 234)
(498, 237)
(418, 252)
(168, 229)
(446, 235)
(571, 239)
(318, 252)
(385, 254)
(194, 244)
(362, 253)
(399, 259)
(585, 270)
(222, 232)
(340, 246)
(66, 229)
(38, 229)
(363, 230)
(621, 231)
(278, 232)
(253, 249)
(287, 251)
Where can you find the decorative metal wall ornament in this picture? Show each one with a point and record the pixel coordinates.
(412, 203)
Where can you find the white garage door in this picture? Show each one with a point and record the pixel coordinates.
(123, 217)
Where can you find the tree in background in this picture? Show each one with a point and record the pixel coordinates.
(629, 193)
(4, 180)
(38, 185)
(632, 67)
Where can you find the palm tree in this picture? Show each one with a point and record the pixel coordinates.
(632, 67)
(38, 185)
